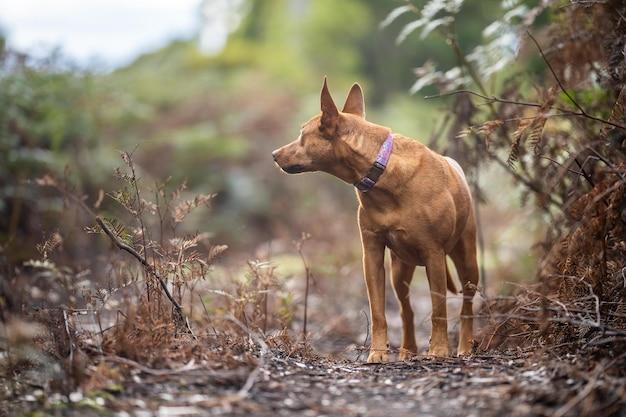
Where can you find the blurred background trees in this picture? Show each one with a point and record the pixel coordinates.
(210, 121)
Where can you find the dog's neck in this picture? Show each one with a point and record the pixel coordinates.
(378, 167)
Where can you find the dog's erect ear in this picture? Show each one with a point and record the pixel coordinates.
(330, 114)
(354, 102)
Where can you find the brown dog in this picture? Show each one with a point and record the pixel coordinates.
(412, 200)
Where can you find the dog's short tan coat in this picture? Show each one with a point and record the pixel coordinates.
(420, 208)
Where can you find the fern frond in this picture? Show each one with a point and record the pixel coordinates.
(394, 14)
(434, 24)
(513, 154)
(490, 126)
(465, 132)
(185, 207)
(535, 132)
(49, 244)
(118, 229)
(408, 29)
(188, 242)
(528, 132)
(618, 115)
(430, 17)
(613, 135)
(215, 252)
(517, 139)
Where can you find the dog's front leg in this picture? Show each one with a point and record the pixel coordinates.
(401, 275)
(374, 268)
(436, 272)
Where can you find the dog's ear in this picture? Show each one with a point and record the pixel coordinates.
(354, 102)
(330, 114)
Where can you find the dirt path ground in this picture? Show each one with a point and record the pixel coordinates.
(277, 384)
(499, 385)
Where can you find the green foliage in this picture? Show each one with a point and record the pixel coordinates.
(501, 42)
(43, 113)
(332, 36)
(51, 116)
(428, 17)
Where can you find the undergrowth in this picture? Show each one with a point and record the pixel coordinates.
(159, 300)
(558, 130)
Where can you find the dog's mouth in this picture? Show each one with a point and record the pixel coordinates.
(294, 169)
(289, 169)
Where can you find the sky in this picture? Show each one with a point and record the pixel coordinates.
(105, 32)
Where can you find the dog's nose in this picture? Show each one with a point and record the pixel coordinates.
(275, 154)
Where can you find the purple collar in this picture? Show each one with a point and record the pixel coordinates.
(368, 181)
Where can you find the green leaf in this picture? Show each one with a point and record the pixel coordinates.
(434, 24)
(425, 81)
(434, 7)
(408, 29)
(394, 14)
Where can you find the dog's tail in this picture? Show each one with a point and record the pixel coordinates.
(450, 281)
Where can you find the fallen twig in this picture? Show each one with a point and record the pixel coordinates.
(151, 371)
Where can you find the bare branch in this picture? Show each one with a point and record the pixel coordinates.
(489, 100)
(563, 112)
(180, 317)
(554, 74)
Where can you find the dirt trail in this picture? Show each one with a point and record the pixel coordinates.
(512, 385)
(479, 386)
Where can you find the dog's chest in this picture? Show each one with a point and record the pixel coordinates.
(402, 236)
(406, 246)
(409, 230)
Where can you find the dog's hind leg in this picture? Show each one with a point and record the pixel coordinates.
(401, 275)
(464, 257)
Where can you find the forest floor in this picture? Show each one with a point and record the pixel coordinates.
(511, 384)
(495, 385)
(282, 378)
(228, 370)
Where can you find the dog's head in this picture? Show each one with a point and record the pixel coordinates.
(318, 145)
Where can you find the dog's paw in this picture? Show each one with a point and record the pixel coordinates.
(464, 351)
(439, 352)
(468, 348)
(377, 356)
(406, 355)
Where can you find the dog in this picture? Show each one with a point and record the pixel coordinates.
(412, 200)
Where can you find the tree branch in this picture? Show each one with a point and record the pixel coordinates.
(564, 112)
(489, 100)
(554, 74)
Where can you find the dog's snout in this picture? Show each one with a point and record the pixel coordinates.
(275, 154)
